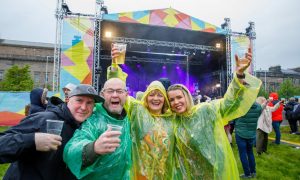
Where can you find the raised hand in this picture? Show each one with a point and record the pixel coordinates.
(114, 53)
(46, 142)
(243, 63)
(107, 142)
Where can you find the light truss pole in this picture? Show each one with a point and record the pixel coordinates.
(59, 13)
(100, 10)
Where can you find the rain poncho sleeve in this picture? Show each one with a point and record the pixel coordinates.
(202, 149)
(116, 73)
(110, 166)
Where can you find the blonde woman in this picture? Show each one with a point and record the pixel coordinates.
(202, 150)
(151, 129)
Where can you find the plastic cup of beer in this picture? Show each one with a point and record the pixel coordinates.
(54, 126)
(114, 127)
(121, 47)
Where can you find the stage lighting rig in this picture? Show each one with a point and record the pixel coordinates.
(104, 9)
(250, 30)
(66, 8)
(226, 24)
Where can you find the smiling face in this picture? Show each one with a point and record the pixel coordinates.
(114, 94)
(155, 102)
(177, 101)
(81, 107)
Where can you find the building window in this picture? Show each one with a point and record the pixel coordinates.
(47, 77)
(1, 75)
(36, 78)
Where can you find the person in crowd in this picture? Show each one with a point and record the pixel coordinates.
(67, 89)
(289, 108)
(38, 101)
(139, 95)
(96, 151)
(276, 116)
(202, 150)
(245, 134)
(229, 131)
(36, 154)
(151, 129)
(264, 124)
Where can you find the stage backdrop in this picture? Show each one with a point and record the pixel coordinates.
(77, 51)
(239, 46)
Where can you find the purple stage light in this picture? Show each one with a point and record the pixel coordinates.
(138, 66)
(164, 67)
(177, 67)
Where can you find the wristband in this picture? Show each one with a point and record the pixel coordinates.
(240, 76)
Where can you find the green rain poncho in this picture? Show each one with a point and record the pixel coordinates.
(202, 150)
(110, 166)
(152, 135)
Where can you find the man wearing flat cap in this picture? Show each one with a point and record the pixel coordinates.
(36, 154)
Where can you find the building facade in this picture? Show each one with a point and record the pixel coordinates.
(39, 56)
(273, 77)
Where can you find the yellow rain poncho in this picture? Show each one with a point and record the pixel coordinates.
(202, 150)
(152, 135)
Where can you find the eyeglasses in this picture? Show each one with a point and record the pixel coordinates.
(118, 91)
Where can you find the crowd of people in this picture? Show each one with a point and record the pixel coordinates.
(163, 133)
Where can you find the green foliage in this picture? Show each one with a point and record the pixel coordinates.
(263, 92)
(17, 79)
(287, 89)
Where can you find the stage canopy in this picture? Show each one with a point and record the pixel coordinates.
(166, 43)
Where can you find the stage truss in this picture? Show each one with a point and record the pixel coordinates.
(61, 13)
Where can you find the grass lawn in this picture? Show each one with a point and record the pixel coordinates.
(281, 162)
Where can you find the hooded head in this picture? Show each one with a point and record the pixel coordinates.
(273, 96)
(155, 99)
(180, 98)
(36, 96)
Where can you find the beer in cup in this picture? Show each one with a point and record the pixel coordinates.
(121, 47)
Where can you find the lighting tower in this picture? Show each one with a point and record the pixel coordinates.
(227, 27)
(250, 32)
(101, 9)
(59, 15)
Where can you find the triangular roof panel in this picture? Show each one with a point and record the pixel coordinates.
(164, 17)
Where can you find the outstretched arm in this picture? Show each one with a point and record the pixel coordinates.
(241, 92)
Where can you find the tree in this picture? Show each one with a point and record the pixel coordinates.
(17, 79)
(263, 92)
(287, 89)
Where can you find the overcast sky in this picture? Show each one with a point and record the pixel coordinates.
(277, 22)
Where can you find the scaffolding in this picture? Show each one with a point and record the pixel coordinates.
(63, 11)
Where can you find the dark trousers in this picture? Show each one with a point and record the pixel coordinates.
(276, 127)
(293, 125)
(245, 147)
(261, 141)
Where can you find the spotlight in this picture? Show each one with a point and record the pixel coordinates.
(218, 85)
(108, 34)
(138, 66)
(164, 67)
(104, 10)
(65, 8)
(177, 67)
(218, 45)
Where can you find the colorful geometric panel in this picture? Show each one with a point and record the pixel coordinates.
(77, 52)
(239, 46)
(12, 107)
(164, 17)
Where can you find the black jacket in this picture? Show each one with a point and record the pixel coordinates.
(17, 146)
